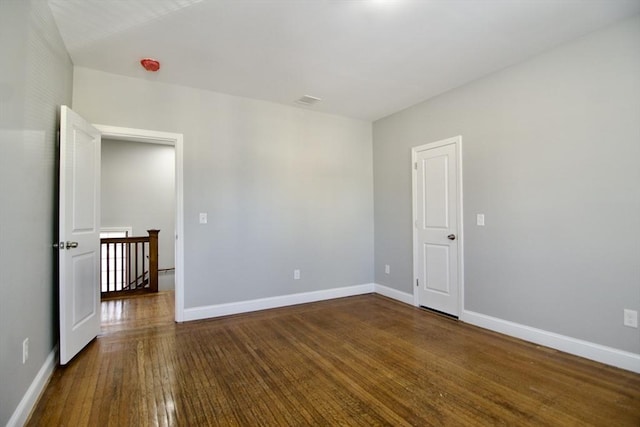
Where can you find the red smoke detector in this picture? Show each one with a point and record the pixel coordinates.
(150, 64)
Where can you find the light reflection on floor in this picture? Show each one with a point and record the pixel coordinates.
(114, 310)
(137, 312)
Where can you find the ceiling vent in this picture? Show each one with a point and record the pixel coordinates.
(308, 100)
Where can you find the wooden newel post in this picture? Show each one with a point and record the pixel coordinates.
(153, 260)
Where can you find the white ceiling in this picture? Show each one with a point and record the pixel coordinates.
(365, 58)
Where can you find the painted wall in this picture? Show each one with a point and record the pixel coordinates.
(284, 188)
(35, 78)
(138, 191)
(550, 153)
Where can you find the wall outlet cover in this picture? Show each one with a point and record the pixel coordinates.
(630, 318)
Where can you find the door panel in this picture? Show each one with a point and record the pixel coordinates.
(83, 296)
(79, 230)
(83, 185)
(436, 234)
(436, 188)
(436, 262)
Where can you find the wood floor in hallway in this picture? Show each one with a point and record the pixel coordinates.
(362, 361)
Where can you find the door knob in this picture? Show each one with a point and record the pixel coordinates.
(70, 245)
(451, 237)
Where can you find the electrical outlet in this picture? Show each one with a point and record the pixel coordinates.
(630, 318)
(203, 218)
(25, 350)
(296, 274)
(480, 220)
(387, 269)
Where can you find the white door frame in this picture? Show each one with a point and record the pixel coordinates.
(457, 140)
(176, 140)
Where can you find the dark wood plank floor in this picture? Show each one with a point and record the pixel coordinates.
(361, 361)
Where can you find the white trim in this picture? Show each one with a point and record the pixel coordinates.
(209, 311)
(588, 350)
(599, 353)
(392, 293)
(24, 408)
(165, 138)
(126, 229)
(138, 135)
(457, 141)
(460, 228)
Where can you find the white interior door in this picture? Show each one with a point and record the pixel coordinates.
(436, 220)
(79, 232)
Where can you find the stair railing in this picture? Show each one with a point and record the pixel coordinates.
(129, 265)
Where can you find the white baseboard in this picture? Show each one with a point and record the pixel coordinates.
(610, 356)
(20, 415)
(206, 312)
(599, 353)
(393, 294)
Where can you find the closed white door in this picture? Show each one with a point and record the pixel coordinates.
(79, 231)
(437, 216)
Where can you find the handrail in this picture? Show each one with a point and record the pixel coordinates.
(138, 239)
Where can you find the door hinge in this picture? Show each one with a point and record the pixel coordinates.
(415, 165)
(417, 282)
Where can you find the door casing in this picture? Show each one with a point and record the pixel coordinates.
(457, 140)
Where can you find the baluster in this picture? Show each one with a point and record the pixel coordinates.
(101, 273)
(136, 271)
(113, 266)
(122, 261)
(129, 262)
(144, 266)
(108, 267)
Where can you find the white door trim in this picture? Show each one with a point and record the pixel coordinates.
(457, 140)
(176, 140)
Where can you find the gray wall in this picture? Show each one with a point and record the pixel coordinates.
(284, 188)
(138, 191)
(551, 152)
(35, 78)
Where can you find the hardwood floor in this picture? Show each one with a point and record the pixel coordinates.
(362, 361)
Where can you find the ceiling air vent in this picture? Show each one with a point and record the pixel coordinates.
(308, 100)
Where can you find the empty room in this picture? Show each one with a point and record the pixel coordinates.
(319, 212)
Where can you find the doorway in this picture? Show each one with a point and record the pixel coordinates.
(137, 192)
(167, 139)
(437, 231)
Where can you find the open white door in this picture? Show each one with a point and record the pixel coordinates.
(437, 221)
(79, 231)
